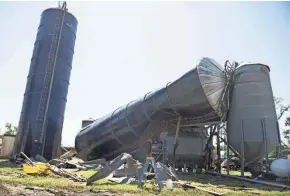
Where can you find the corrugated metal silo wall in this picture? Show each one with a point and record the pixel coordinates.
(252, 110)
(35, 81)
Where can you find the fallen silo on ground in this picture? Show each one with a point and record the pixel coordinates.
(197, 93)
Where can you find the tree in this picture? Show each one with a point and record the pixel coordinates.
(286, 132)
(280, 107)
(10, 129)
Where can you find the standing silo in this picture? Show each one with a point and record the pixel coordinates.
(45, 97)
(252, 116)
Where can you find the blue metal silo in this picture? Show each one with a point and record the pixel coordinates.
(45, 97)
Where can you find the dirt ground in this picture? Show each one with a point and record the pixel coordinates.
(21, 190)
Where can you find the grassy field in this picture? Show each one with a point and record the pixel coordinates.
(15, 175)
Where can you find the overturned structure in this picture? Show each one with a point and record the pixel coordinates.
(196, 97)
(177, 118)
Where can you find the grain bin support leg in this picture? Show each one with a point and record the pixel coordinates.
(242, 159)
(264, 128)
(228, 155)
(175, 143)
(218, 149)
(208, 147)
(230, 148)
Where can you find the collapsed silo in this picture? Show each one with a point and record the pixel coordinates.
(252, 116)
(196, 94)
(45, 97)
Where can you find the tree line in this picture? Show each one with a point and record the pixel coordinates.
(10, 129)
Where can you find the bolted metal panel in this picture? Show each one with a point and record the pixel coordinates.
(197, 93)
(45, 96)
(252, 110)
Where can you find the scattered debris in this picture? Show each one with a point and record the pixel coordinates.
(37, 168)
(72, 164)
(54, 166)
(166, 172)
(95, 162)
(123, 170)
(186, 186)
(64, 173)
(68, 154)
(108, 169)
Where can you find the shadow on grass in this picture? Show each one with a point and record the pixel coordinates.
(218, 181)
(150, 187)
(5, 163)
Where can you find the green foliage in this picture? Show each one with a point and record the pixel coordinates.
(280, 107)
(10, 129)
(281, 110)
(286, 132)
(285, 149)
(225, 186)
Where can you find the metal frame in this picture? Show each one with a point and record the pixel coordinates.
(216, 125)
(228, 154)
(242, 158)
(200, 121)
(218, 149)
(175, 143)
(265, 140)
(242, 154)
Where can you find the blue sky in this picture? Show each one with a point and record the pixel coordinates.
(124, 50)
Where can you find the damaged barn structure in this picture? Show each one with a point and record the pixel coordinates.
(177, 124)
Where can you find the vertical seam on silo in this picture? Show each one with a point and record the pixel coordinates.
(111, 127)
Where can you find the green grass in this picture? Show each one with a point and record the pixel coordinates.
(15, 175)
(237, 173)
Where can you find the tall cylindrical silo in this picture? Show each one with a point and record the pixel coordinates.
(45, 97)
(252, 116)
